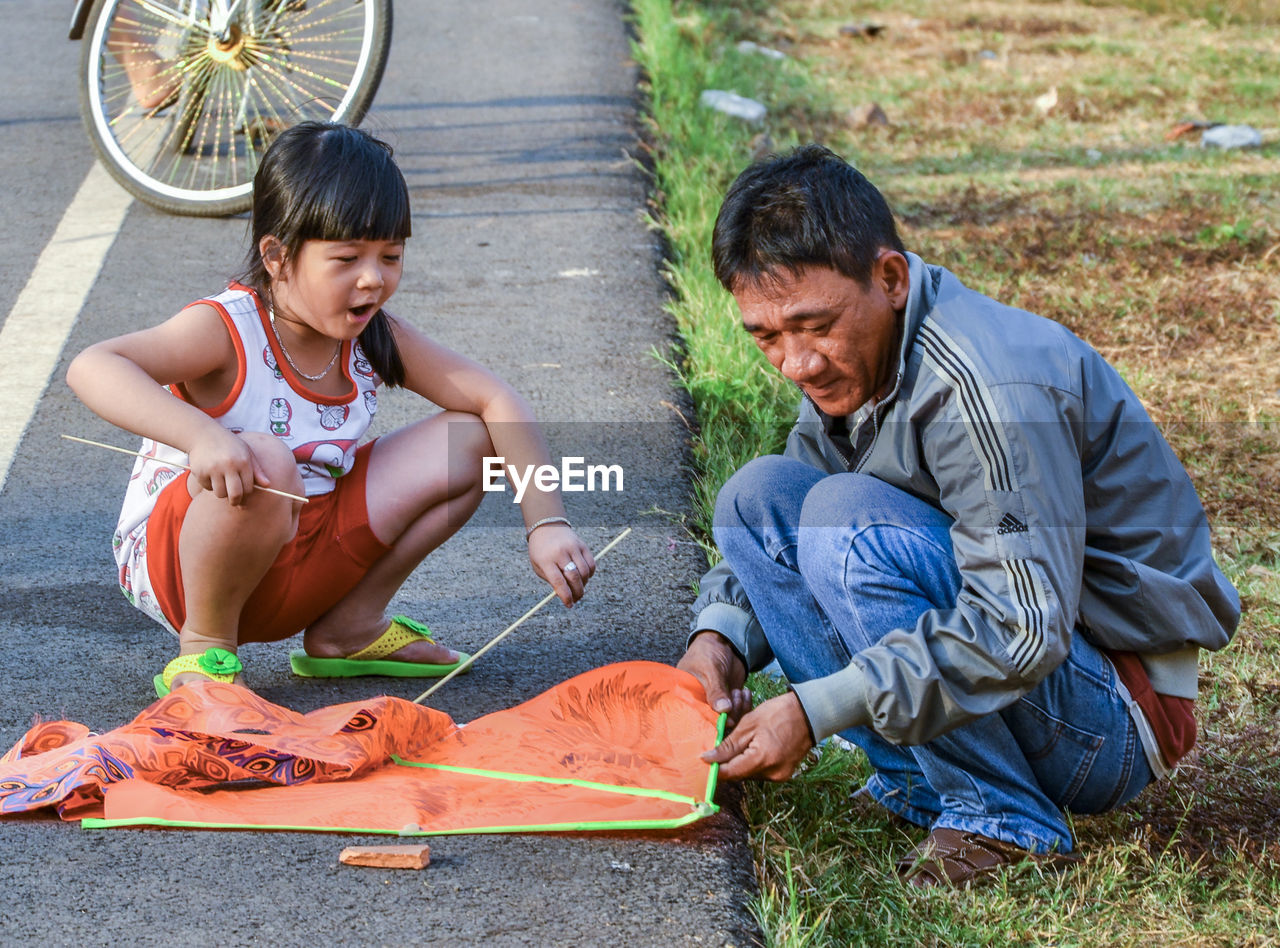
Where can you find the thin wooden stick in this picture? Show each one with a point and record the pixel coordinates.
(139, 454)
(509, 629)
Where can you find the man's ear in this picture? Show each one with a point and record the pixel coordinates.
(893, 274)
(272, 252)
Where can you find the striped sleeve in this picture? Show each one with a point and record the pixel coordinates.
(992, 431)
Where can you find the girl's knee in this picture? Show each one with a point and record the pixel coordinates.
(438, 458)
(276, 460)
(466, 445)
(465, 434)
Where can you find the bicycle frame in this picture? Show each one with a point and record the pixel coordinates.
(80, 15)
(78, 18)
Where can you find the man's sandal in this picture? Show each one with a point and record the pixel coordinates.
(216, 664)
(956, 859)
(372, 659)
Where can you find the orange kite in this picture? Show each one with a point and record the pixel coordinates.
(615, 748)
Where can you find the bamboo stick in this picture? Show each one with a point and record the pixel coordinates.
(509, 629)
(139, 454)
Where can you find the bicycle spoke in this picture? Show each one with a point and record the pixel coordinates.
(269, 95)
(291, 79)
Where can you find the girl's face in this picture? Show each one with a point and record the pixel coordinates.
(334, 286)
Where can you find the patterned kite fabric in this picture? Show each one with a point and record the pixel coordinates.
(617, 747)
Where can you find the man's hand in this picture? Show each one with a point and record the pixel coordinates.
(768, 742)
(712, 660)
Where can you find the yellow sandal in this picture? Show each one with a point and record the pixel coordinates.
(372, 659)
(216, 664)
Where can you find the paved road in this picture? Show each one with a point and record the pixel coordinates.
(513, 123)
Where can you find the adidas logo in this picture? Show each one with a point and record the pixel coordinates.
(1010, 524)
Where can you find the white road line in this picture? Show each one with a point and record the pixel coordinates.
(42, 317)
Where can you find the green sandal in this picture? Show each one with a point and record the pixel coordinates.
(372, 659)
(216, 664)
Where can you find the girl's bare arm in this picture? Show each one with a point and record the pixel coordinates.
(122, 379)
(456, 383)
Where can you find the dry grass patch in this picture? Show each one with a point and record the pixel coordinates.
(960, 81)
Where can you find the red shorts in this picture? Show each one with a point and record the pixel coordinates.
(332, 550)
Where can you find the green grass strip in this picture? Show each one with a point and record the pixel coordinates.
(743, 407)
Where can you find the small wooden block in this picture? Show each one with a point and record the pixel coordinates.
(387, 857)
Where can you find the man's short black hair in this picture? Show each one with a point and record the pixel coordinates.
(809, 207)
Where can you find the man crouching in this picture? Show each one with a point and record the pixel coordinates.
(977, 559)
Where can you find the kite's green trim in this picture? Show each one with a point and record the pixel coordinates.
(561, 781)
(715, 767)
(700, 811)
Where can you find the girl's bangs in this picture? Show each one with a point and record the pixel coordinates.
(371, 204)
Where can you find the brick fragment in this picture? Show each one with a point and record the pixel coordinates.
(388, 857)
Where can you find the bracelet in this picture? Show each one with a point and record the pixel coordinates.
(543, 522)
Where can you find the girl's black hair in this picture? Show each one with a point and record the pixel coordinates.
(323, 181)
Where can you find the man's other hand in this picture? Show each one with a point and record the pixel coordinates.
(712, 660)
(768, 742)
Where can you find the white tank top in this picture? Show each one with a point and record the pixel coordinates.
(322, 431)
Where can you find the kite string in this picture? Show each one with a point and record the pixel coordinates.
(509, 629)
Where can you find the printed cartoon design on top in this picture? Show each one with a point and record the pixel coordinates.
(279, 414)
(332, 458)
(371, 402)
(360, 363)
(138, 540)
(157, 482)
(269, 358)
(322, 437)
(332, 417)
(152, 473)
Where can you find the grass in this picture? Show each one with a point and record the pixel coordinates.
(1163, 255)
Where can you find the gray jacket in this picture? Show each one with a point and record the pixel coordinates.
(1070, 512)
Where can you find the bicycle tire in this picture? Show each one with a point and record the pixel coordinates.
(188, 139)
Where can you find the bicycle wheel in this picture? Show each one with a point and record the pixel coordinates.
(181, 97)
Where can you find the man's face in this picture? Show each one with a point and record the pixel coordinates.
(833, 337)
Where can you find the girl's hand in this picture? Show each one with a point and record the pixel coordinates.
(223, 463)
(562, 559)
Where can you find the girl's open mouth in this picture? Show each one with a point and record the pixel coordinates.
(362, 312)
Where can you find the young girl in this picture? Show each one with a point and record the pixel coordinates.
(271, 384)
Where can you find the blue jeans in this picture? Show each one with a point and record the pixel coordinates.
(831, 564)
